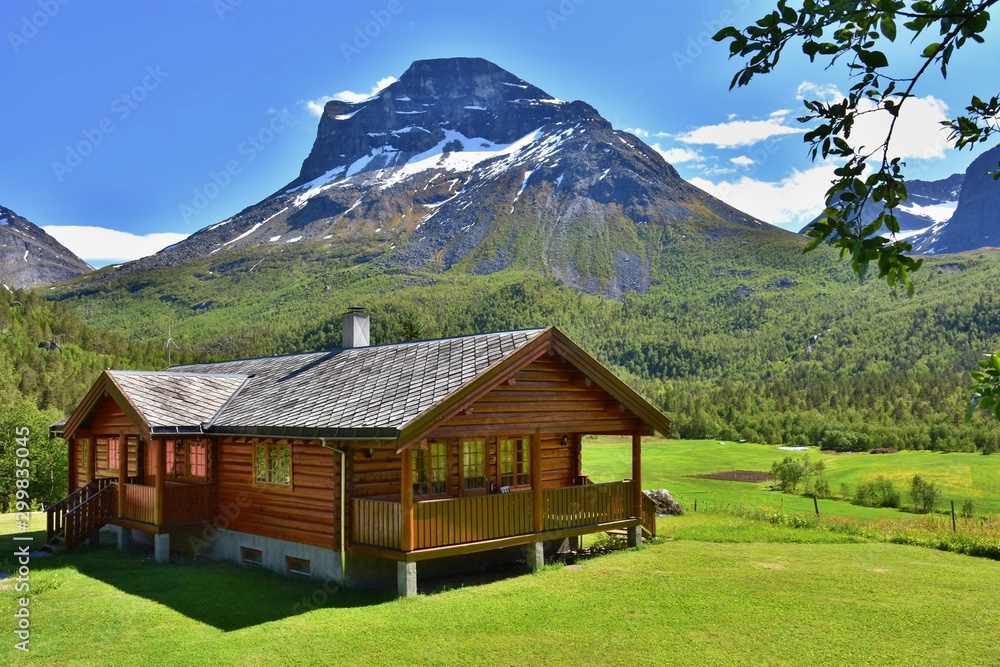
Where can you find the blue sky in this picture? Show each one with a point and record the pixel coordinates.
(123, 116)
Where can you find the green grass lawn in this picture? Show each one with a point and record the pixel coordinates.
(671, 464)
(725, 591)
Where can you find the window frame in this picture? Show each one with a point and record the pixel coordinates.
(259, 562)
(267, 483)
(424, 470)
(519, 469)
(292, 569)
(463, 467)
(114, 444)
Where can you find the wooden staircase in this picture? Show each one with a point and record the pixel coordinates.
(80, 514)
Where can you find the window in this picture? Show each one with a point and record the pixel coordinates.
(430, 469)
(114, 454)
(515, 464)
(85, 454)
(197, 459)
(474, 465)
(250, 556)
(171, 457)
(272, 464)
(297, 566)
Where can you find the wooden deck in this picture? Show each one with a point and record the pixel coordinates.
(459, 524)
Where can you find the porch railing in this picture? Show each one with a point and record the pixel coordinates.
(452, 521)
(187, 503)
(140, 503)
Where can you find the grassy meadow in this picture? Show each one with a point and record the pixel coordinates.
(742, 581)
(672, 464)
(762, 596)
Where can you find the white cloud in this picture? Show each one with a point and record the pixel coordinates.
(638, 131)
(790, 203)
(738, 132)
(99, 246)
(918, 132)
(678, 155)
(316, 106)
(742, 161)
(824, 92)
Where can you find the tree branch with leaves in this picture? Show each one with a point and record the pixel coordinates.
(853, 34)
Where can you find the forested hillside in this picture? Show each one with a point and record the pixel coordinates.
(767, 344)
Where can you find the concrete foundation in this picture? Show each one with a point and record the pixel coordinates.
(535, 555)
(229, 544)
(634, 536)
(161, 548)
(406, 579)
(124, 539)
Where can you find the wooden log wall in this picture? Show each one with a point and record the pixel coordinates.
(550, 394)
(307, 511)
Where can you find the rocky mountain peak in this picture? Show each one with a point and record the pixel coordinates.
(460, 163)
(30, 257)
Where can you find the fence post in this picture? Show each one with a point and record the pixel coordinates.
(954, 524)
(816, 505)
(695, 504)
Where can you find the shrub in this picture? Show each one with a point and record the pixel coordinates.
(968, 509)
(879, 493)
(884, 450)
(924, 494)
(787, 473)
(845, 491)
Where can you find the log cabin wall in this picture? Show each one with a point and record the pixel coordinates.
(80, 449)
(307, 511)
(550, 394)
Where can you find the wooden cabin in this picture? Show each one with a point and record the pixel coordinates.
(357, 464)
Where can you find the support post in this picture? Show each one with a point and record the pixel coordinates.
(536, 481)
(122, 473)
(637, 474)
(161, 547)
(161, 480)
(124, 539)
(406, 578)
(536, 555)
(406, 497)
(91, 458)
(633, 535)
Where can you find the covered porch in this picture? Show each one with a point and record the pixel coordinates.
(414, 528)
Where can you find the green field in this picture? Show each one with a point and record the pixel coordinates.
(762, 598)
(671, 464)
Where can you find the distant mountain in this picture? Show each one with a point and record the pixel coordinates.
(30, 257)
(976, 221)
(930, 203)
(460, 163)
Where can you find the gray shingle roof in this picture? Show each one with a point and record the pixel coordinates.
(360, 392)
(175, 401)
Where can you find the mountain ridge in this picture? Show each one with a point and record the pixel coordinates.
(30, 257)
(461, 164)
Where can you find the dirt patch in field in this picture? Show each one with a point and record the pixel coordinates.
(736, 476)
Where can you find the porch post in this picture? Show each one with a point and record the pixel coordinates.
(536, 480)
(122, 472)
(637, 474)
(161, 479)
(91, 458)
(406, 498)
(634, 533)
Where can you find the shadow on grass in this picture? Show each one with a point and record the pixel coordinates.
(224, 595)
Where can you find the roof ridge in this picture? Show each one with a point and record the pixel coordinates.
(169, 373)
(536, 330)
